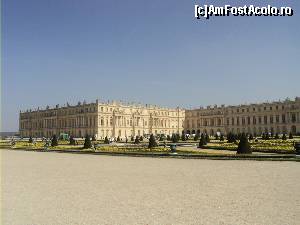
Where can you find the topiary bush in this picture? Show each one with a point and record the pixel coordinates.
(152, 142)
(30, 140)
(72, 141)
(106, 141)
(137, 140)
(87, 142)
(202, 141)
(244, 146)
(54, 141)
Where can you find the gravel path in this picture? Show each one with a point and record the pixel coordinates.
(58, 188)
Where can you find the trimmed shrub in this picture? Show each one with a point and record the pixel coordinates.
(283, 137)
(244, 146)
(183, 137)
(152, 142)
(72, 141)
(196, 138)
(276, 136)
(106, 141)
(54, 141)
(93, 138)
(202, 141)
(137, 140)
(207, 140)
(118, 139)
(87, 142)
(222, 137)
(291, 135)
(141, 138)
(132, 138)
(30, 140)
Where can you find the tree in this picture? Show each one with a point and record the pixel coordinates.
(267, 136)
(196, 138)
(168, 138)
(283, 137)
(106, 141)
(183, 137)
(118, 139)
(132, 138)
(263, 136)
(141, 138)
(72, 140)
(93, 138)
(152, 142)
(244, 146)
(137, 140)
(30, 140)
(87, 142)
(202, 141)
(276, 136)
(54, 141)
(291, 135)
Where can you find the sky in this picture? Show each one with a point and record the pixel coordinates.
(153, 52)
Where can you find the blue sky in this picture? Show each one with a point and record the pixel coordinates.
(152, 52)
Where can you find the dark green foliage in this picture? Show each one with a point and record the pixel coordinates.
(141, 138)
(276, 136)
(291, 135)
(283, 137)
(30, 140)
(216, 137)
(137, 140)
(87, 142)
(72, 141)
(207, 140)
(93, 138)
(106, 141)
(250, 137)
(54, 141)
(132, 138)
(231, 138)
(244, 146)
(118, 139)
(152, 142)
(202, 141)
(177, 137)
(222, 137)
(161, 138)
(196, 138)
(183, 137)
(168, 138)
(267, 136)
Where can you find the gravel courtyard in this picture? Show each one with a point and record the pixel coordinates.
(59, 188)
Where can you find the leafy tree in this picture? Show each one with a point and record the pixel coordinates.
(202, 141)
(137, 140)
(87, 142)
(291, 135)
(30, 140)
(72, 140)
(106, 141)
(283, 137)
(244, 146)
(54, 141)
(152, 142)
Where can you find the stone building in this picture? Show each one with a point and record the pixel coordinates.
(275, 117)
(101, 119)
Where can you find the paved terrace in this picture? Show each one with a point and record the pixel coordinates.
(58, 188)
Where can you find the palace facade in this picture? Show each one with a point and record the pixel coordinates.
(115, 119)
(101, 119)
(275, 117)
